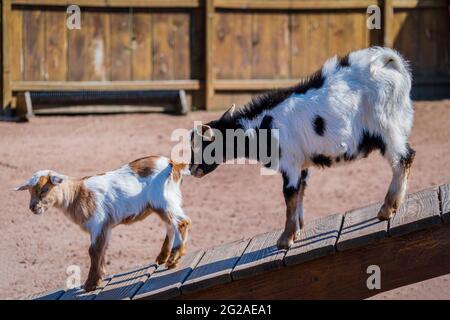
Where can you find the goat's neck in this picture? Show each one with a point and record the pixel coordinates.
(67, 194)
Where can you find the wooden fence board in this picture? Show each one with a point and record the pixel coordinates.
(444, 192)
(56, 45)
(215, 266)
(125, 285)
(34, 45)
(418, 211)
(165, 283)
(141, 54)
(120, 45)
(17, 45)
(299, 45)
(260, 256)
(181, 45)
(318, 42)
(270, 39)
(163, 42)
(317, 239)
(361, 227)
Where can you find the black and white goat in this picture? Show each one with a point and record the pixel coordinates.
(350, 107)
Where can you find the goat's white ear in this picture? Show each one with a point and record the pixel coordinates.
(205, 131)
(56, 178)
(22, 187)
(229, 113)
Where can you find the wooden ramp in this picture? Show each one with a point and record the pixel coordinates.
(330, 259)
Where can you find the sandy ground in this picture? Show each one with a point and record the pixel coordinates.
(234, 202)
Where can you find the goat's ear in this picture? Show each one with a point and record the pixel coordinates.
(205, 132)
(56, 178)
(25, 186)
(229, 113)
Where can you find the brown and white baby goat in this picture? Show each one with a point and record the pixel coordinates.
(126, 195)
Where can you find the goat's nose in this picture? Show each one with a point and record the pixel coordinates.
(32, 206)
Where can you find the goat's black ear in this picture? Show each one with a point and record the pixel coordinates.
(229, 113)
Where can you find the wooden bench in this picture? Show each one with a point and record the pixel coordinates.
(328, 261)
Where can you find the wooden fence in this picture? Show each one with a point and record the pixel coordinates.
(329, 260)
(219, 51)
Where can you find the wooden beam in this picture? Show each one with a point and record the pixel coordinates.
(114, 3)
(402, 260)
(252, 84)
(105, 85)
(6, 70)
(388, 23)
(410, 4)
(209, 53)
(294, 4)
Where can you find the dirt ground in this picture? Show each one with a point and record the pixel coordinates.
(233, 202)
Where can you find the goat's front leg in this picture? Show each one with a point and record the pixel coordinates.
(301, 194)
(97, 254)
(291, 188)
(177, 244)
(401, 166)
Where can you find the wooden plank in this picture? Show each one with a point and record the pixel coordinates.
(116, 3)
(125, 285)
(163, 42)
(141, 55)
(299, 45)
(261, 255)
(444, 196)
(34, 45)
(165, 283)
(407, 22)
(419, 210)
(252, 84)
(362, 227)
(181, 45)
(49, 295)
(105, 85)
(209, 52)
(90, 48)
(388, 22)
(80, 294)
(428, 39)
(120, 45)
(420, 4)
(316, 240)
(318, 40)
(294, 4)
(403, 260)
(6, 54)
(270, 40)
(56, 45)
(16, 45)
(223, 43)
(215, 266)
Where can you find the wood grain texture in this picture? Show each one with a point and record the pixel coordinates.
(125, 285)
(181, 45)
(80, 294)
(260, 256)
(361, 227)
(163, 42)
(16, 45)
(215, 266)
(141, 45)
(419, 210)
(403, 260)
(270, 40)
(444, 196)
(34, 45)
(165, 283)
(316, 240)
(317, 35)
(50, 295)
(299, 45)
(56, 45)
(121, 45)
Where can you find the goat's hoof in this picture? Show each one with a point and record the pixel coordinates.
(161, 259)
(386, 213)
(174, 257)
(284, 244)
(91, 285)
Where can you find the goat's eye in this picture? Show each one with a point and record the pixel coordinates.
(44, 190)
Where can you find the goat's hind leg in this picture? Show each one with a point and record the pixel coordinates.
(291, 188)
(401, 166)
